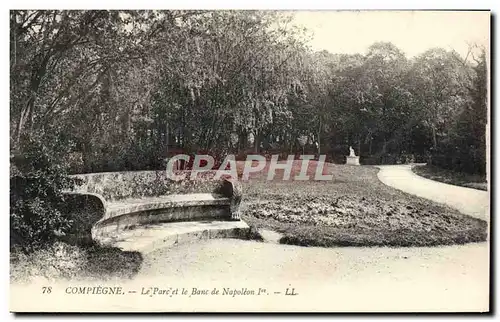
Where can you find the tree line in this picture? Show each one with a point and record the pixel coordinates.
(120, 90)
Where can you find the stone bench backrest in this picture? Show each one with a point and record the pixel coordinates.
(113, 186)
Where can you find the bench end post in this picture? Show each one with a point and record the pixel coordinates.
(232, 189)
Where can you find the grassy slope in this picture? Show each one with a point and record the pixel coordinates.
(354, 209)
(451, 177)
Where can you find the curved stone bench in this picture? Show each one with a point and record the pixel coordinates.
(144, 208)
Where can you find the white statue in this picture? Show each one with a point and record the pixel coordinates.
(251, 138)
(351, 152)
(352, 159)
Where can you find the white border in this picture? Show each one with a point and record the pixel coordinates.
(255, 4)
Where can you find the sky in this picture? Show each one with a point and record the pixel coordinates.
(411, 31)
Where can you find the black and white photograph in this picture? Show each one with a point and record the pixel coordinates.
(249, 161)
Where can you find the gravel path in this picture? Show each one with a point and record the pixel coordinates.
(451, 278)
(469, 201)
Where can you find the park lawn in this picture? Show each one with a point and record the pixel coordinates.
(452, 177)
(353, 209)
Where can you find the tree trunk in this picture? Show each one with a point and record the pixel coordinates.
(319, 137)
(359, 145)
(434, 139)
(256, 141)
(25, 114)
(166, 138)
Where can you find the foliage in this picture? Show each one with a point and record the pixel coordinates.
(36, 184)
(463, 147)
(126, 88)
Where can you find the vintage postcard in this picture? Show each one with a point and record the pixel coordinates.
(249, 161)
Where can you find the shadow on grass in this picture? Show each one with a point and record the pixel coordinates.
(64, 261)
(105, 262)
(253, 234)
(112, 262)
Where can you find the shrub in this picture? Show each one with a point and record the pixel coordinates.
(37, 179)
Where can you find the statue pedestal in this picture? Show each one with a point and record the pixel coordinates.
(352, 160)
